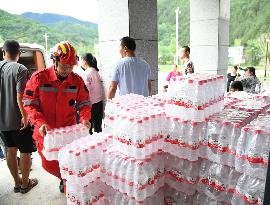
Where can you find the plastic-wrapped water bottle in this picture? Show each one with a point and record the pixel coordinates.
(137, 178)
(182, 174)
(93, 193)
(252, 152)
(249, 190)
(218, 176)
(57, 138)
(80, 161)
(214, 127)
(172, 196)
(202, 199)
(232, 182)
(114, 197)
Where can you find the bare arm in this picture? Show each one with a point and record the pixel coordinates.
(112, 89)
(22, 110)
(149, 87)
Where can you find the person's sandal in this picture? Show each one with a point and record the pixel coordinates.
(31, 184)
(17, 189)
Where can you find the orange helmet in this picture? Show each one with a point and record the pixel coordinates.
(65, 53)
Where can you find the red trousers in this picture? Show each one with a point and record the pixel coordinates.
(50, 166)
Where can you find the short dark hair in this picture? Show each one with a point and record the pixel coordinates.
(129, 43)
(237, 85)
(12, 47)
(187, 49)
(251, 69)
(235, 67)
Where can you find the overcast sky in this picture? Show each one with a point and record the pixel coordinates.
(81, 9)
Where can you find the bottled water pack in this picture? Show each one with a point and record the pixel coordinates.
(114, 197)
(223, 132)
(175, 197)
(195, 97)
(137, 124)
(184, 138)
(92, 193)
(136, 178)
(252, 150)
(248, 191)
(80, 160)
(217, 181)
(57, 138)
(182, 174)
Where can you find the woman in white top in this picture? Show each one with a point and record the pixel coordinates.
(94, 85)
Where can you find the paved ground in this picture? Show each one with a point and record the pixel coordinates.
(45, 193)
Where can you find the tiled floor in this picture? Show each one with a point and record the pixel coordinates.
(45, 193)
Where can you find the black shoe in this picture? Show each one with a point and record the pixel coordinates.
(61, 186)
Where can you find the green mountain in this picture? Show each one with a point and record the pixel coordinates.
(248, 22)
(49, 18)
(249, 26)
(24, 29)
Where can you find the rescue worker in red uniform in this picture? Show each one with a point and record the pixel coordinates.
(50, 97)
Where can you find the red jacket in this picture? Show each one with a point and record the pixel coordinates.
(49, 101)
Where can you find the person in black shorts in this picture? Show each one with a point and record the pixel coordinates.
(14, 125)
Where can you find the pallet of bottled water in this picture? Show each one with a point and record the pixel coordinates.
(195, 97)
(57, 138)
(223, 132)
(184, 138)
(138, 179)
(252, 151)
(80, 161)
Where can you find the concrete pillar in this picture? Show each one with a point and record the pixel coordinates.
(134, 18)
(209, 35)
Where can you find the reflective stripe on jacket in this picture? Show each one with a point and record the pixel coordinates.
(50, 101)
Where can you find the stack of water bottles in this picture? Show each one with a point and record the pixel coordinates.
(252, 154)
(137, 125)
(189, 156)
(137, 178)
(91, 194)
(134, 164)
(195, 97)
(223, 132)
(243, 96)
(258, 103)
(57, 138)
(185, 138)
(80, 163)
(216, 182)
(114, 197)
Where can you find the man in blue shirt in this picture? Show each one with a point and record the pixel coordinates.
(131, 74)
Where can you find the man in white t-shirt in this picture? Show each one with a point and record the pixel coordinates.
(131, 74)
(184, 55)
